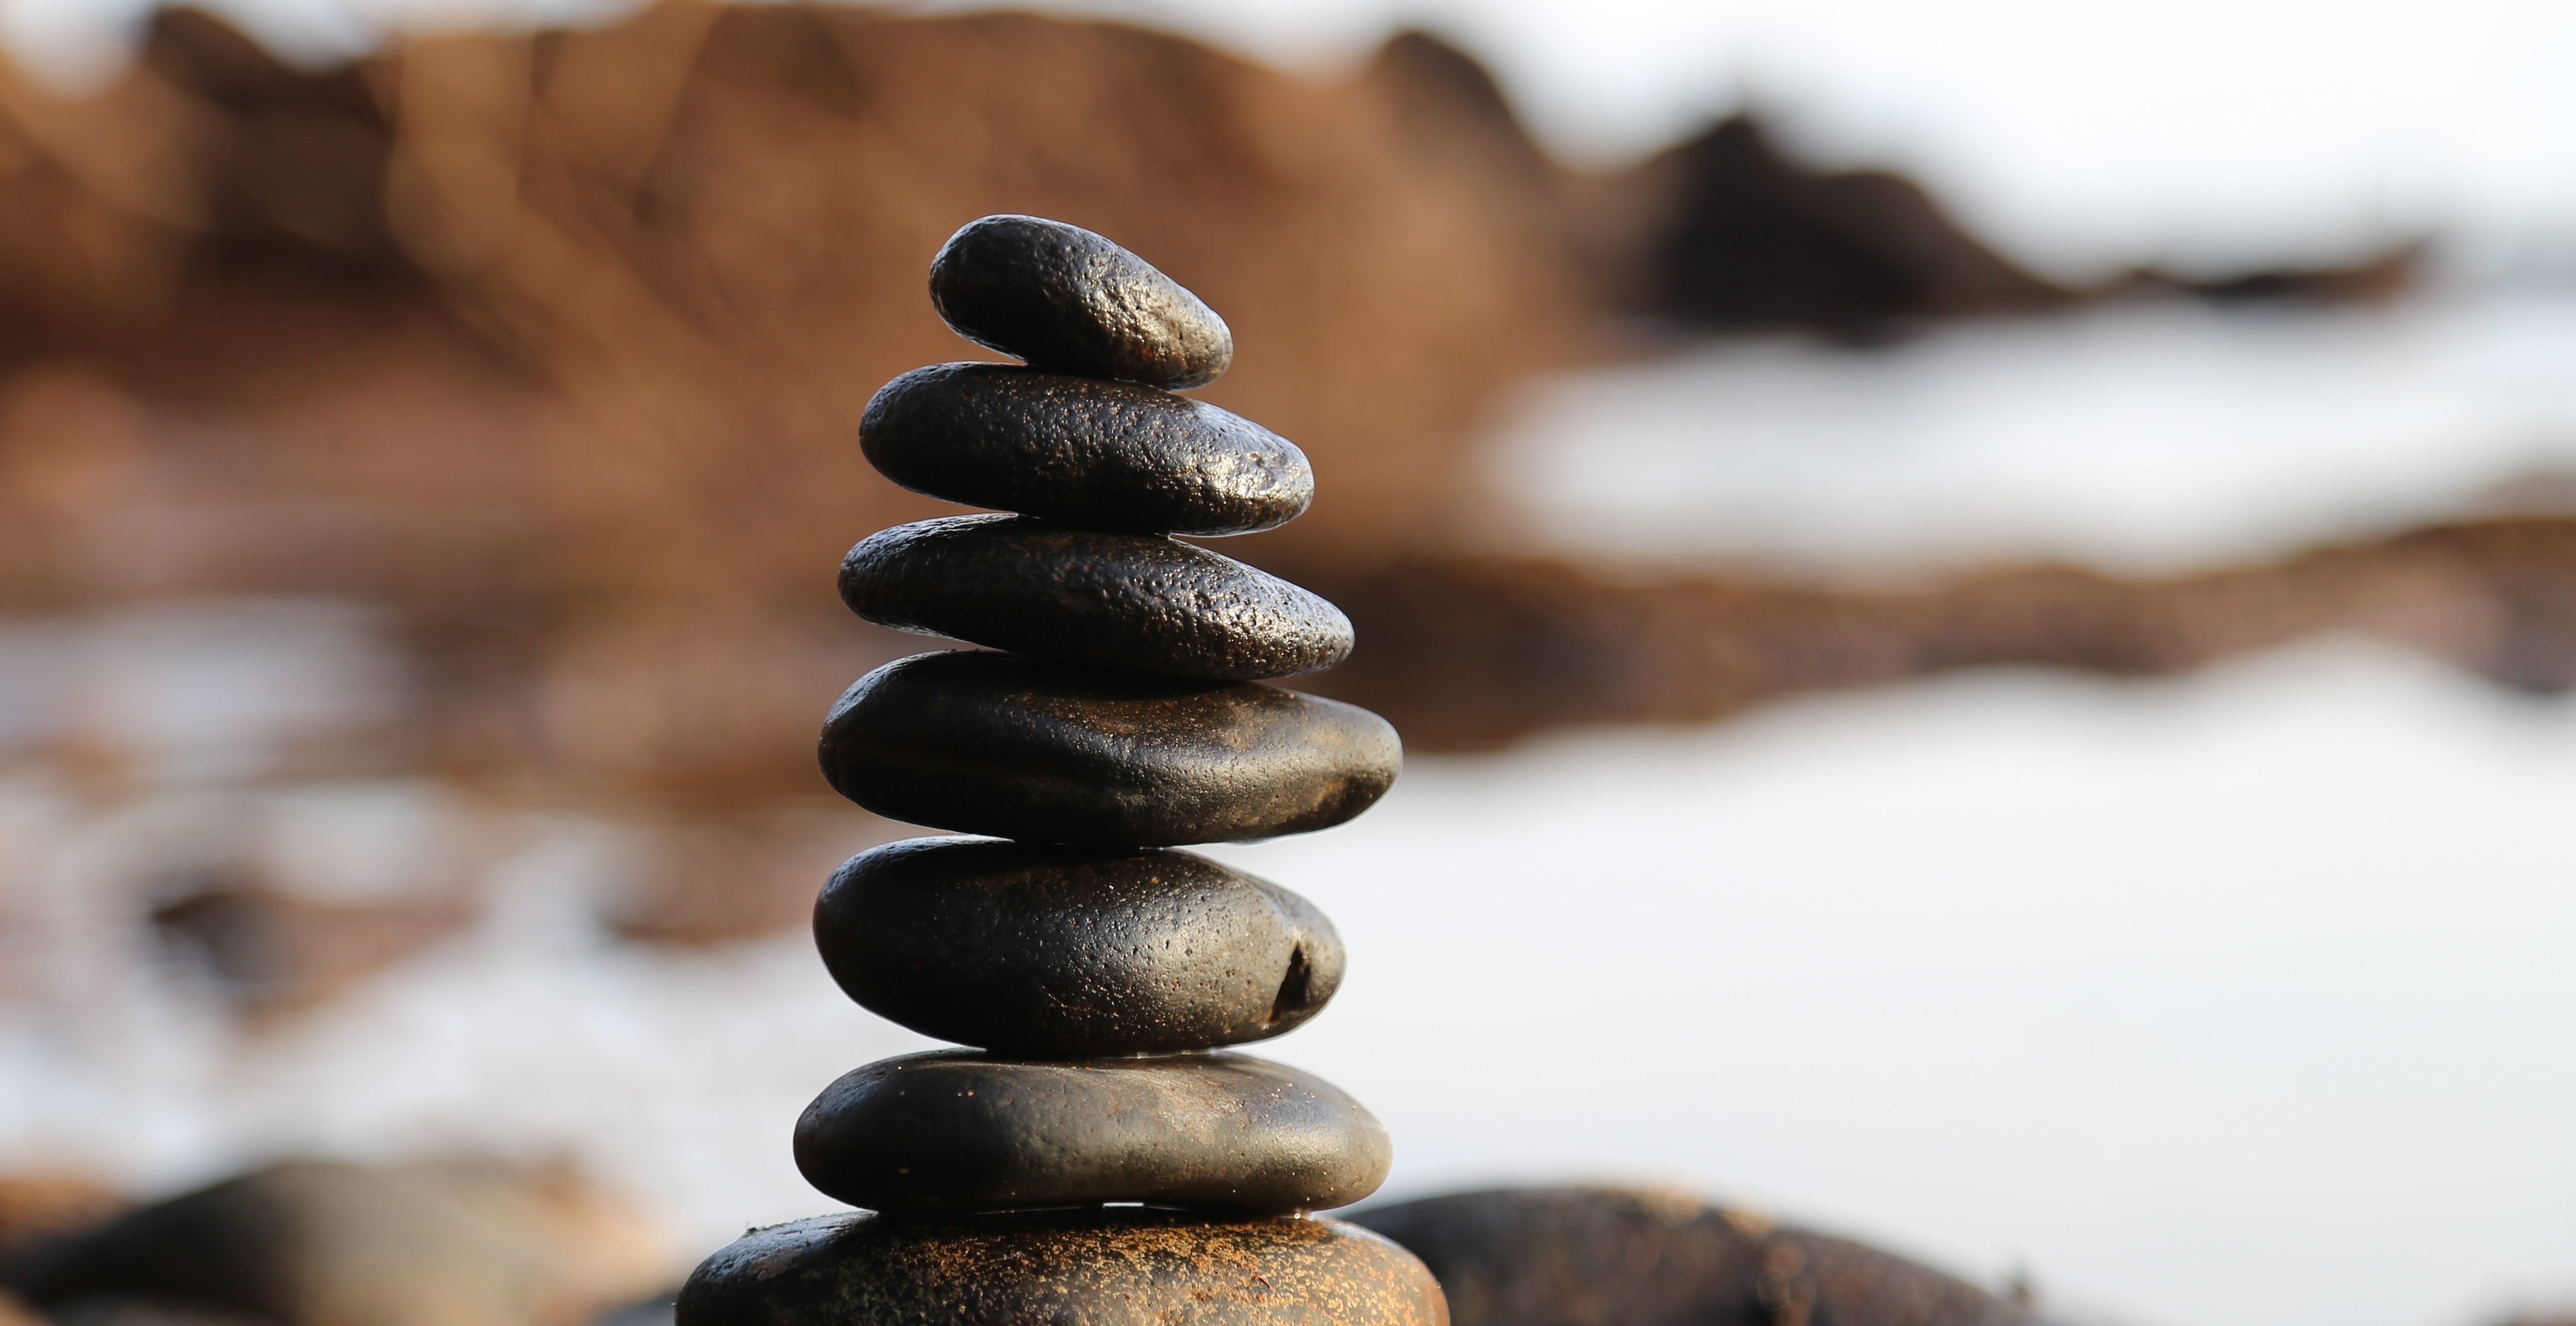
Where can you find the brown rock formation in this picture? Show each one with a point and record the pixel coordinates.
(553, 344)
(557, 341)
(1471, 653)
(1747, 238)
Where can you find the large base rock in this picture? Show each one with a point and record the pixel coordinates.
(1113, 1267)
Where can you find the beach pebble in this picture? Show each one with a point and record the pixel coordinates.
(1064, 298)
(1016, 747)
(1083, 1268)
(1135, 601)
(957, 1131)
(1069, 952)
(1109, 454)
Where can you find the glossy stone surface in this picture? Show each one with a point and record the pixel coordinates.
(1133, 601)
(1064, 298)
(1071, 1268)
(957, 1131)
(1109, 454)
(1016, 747)
(1068, 952)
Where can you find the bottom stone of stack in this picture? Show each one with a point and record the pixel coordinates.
(1118, 1266)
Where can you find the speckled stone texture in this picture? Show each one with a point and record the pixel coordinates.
(954, 1131)
(1139, 602)
(1111, 454)
(1015, 747)
(1094, 1268)
(1553, 1256)
(1073, 952)
(1062, 297)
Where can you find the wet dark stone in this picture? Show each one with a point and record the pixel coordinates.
(1550, 1256)
(1077, 1268)
(1017, 747)
(1064, 298)
(1135, 601)
(956, 1131)
(1110, 454)
(1067, 952)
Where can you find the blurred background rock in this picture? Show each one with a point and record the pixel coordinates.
(421, 476)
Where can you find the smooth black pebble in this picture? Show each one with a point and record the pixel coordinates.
(1016, 747)
(957, 1131)
(1073, 952)
(1064, 298)
(1110, 454)
(1078, 1268)
(1133, 601)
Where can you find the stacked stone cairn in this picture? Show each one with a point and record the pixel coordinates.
(1095, 1160)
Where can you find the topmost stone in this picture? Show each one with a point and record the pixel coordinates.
(1063, 298)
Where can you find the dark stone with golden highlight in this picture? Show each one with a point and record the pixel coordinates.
(1110, 454)
(955, 1131)
(1016, 747)
(1134, 601)
(1073, 952)
(1064, 298)
(1074, 1268)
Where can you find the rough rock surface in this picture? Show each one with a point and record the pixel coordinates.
(955, 1131)
(1134, 602)
(1112, 454)
(1087, 1268)
(1064, 298)
(1610, 1257)
(1066, 952)
(1018, 748)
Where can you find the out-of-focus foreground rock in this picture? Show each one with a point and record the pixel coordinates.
(324, 1244)
(321, 1244)
(1611, 1257)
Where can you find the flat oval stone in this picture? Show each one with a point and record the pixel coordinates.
(954, 1131)
(1016, 747)
(1070, 952)
(1133, 601)
(1078, 1268)
(1064, 298)
(1109, 454)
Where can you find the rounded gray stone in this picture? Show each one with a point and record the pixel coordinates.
(1070, 952)
(1070, 1268)
(1107, 454)
(1134, 601)
(1064, 298)
(1016, 747)
(957, 1131)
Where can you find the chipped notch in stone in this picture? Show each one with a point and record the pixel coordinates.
(1292, 998)
(1067, 952)
(1061, 297)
